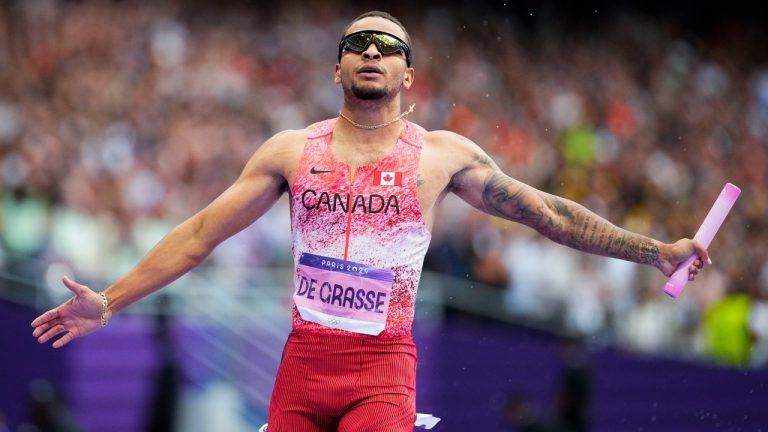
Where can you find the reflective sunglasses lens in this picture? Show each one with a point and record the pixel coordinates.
(388, 44)
(358, 42)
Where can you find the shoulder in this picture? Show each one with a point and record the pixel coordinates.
(287, 139)
(285, 144)
(454, 149)
(280, 153)
(442, 137)
(293, 140)
(451, 142)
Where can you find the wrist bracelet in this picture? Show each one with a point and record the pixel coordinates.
(104, 308)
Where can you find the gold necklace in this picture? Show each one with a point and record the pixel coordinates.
(378, 126)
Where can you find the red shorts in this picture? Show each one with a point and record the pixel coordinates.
(345, 384)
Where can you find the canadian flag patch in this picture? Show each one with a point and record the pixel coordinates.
(387, 178)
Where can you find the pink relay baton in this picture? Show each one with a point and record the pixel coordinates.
(706, 232)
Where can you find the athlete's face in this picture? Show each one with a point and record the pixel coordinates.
(371, 75)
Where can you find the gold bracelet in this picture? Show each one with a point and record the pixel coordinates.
(104, 308)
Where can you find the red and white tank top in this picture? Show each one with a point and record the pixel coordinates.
(359, 238)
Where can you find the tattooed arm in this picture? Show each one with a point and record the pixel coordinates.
(564, 221)
(481, 183)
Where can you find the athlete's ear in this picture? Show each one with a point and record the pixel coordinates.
(337, 74)
(408, 77)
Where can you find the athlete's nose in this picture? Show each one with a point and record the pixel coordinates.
(372, 52)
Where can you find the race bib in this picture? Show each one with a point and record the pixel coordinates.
(342, 294)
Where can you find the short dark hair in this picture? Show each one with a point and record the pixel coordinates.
(384, 15)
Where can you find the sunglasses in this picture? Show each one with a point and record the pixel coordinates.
(386, 43)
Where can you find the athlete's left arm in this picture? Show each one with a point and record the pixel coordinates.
(480, 182)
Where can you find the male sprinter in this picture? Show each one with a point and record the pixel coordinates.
(363, 190)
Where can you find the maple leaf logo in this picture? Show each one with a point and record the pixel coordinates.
(388, 178)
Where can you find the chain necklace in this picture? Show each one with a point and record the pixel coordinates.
(378, 126)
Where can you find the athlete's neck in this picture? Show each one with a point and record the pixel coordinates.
(365, 123)
(357, 146)
(366, 120)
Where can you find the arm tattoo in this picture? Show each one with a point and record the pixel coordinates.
(480, 157)
(564, 221)
(484, 160)
(501, 198)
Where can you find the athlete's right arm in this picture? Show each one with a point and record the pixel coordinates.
(261, 183)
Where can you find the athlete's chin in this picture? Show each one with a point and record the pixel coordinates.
(369, 92)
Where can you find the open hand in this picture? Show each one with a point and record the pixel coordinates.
(681, 250)
(76, 317)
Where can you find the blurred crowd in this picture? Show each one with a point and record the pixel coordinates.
(120, 119)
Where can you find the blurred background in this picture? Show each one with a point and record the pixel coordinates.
(120, 119)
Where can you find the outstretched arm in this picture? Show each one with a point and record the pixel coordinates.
(482, 184)
(259, 186)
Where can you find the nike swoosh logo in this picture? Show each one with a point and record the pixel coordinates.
(314, 171)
